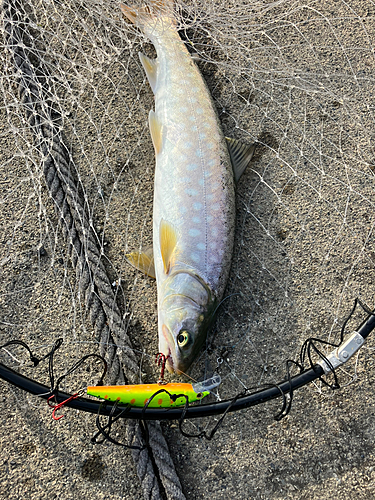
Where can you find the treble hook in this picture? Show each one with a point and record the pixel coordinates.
(161, 359)
(60, 405)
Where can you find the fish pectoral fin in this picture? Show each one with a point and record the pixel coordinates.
(150, 67)
(240, 155)
(168, 243)
(156, 130)
(143, 261)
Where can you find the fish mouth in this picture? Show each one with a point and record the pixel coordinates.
(169, 356)
(169, 362)
(170, 352)
(170, 365)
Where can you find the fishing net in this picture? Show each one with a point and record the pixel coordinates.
(77, 167)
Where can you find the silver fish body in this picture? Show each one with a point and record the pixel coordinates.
(194, 201)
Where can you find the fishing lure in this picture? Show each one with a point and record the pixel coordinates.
(163, 396)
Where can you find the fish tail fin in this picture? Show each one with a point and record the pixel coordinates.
(154, 11)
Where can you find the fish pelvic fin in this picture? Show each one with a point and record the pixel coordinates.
(156, 130)
(143, 261)
(240, 156)
(168, 244)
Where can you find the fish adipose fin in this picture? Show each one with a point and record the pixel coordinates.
(240, 155)
(150, 66)
(143, 261)
(168, 243)
(156, 130)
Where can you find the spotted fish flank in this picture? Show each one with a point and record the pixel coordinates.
(194, 209)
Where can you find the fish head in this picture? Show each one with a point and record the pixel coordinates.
(185, 315)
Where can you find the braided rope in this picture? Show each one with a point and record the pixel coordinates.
(86, 254)
(161, 457)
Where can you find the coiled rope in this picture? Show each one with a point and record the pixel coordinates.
(155, 467)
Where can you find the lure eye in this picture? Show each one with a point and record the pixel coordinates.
(183, 338)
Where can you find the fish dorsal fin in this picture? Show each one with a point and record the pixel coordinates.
(240, 155)
(143, 261)
(168, 243)
(150, 66)
(156, 130)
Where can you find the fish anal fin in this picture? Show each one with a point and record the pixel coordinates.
(156, 130)
(143, 261)
(168, 243)
(240, 155)
(150, 67)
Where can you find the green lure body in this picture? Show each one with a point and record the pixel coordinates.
(139, 395)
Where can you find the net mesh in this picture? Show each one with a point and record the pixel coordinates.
(297, 77)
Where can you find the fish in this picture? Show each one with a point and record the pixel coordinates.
(194, 191)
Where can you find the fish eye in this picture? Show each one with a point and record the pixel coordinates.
(183, 338)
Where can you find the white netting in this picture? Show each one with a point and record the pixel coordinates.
(295, 77)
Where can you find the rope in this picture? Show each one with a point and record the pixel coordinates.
(161, 458)
(154, 461)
